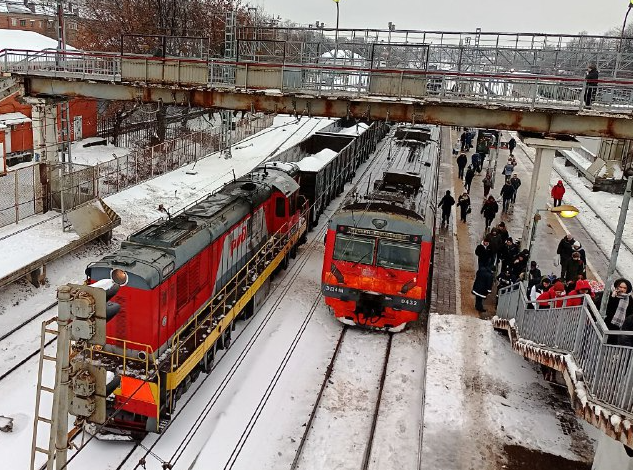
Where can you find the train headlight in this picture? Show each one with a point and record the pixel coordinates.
(119, 276)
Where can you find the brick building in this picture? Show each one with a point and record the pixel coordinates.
(40, 17)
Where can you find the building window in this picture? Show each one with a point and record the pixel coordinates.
(49, 24)
(14, 22)
(32, 23)
(22, 22)
(72, 25)
(41, 24)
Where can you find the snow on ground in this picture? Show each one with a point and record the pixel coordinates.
(481, 397)
(97, 153)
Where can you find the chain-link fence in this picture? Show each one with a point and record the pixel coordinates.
(20, 195)
(23, 193)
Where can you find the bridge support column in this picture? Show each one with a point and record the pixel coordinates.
(44, 116)
(540, 187)
(611, 454)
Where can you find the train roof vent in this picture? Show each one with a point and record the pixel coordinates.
(249, 186)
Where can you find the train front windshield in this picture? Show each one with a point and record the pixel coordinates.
(355, 250)
(393, 255)
(390, 254)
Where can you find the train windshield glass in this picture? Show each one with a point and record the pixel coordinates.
(356, 250)
(393, 255)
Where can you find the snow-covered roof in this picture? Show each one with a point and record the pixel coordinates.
(11, 119)
(29, 40)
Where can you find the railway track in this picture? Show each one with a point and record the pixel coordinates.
(17, 329)
(335, 421)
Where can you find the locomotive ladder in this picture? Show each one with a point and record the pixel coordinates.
(38, 418)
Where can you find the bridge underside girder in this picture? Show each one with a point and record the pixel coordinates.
(430, 111)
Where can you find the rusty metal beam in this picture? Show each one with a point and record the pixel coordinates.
(430, 111)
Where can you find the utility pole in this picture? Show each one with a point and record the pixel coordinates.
(617, 241)
(337, 18)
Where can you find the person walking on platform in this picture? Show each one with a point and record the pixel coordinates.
(508, 169)
(507, 192)
(564, 251)
(512, 143)
(463, 139)
(558, 191)
(555, 293)
(446, 203)
(464, 206)
(503, 231)
(496, 245)
(487, 183)
(508, 253)
(574, 271)
(462, 161)
(475, 161)
(591, 86)
(581, 287)
(516, 184)
(484, 254)
(577, 246)
(489, 210)
(482, 287)
(468, 178)
(534, 275)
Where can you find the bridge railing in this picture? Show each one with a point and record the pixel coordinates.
(337, 73)
(580, 331)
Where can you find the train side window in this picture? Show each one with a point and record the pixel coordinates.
(280, 207)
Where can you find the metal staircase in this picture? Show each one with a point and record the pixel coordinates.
(8, 86)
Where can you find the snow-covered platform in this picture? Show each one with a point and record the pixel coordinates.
(28, 246)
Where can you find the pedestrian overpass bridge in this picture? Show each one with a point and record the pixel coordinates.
(528, 82)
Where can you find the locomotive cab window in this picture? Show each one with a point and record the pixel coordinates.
(394, 255)
(280, 207)
(356, 250)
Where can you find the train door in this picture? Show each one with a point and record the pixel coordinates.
(280, 212)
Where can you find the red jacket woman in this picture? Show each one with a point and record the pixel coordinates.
(557, 291)
(558, 192)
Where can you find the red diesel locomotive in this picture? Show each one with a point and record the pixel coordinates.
(183, 282)
(379, 245)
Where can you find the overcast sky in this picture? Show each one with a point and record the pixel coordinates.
(545, 16)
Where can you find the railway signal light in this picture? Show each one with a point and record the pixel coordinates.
(88, 314)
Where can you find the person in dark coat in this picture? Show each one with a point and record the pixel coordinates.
(475, 161)
(558, 191)
(619, 305)
(516, 183)
(512, 143)
(464, 206)
(496, 244)
(627, 326)
(507, 192)
(534, 275)
(462, 161)
(462, 139)
(564, 250)
(489, 210)
(487, 183)
(509, 253)
(482, 287)
(504, 279)
(592, 84)
(468, 178)
(503, 231)
(575, 270)
(519, 265)
(446, 203)
(484, 254)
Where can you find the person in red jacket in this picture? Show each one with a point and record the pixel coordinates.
(557, 291)
(558, 192)
(582, 287)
